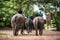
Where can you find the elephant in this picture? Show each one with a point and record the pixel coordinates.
(29, 25)
(17, 22)
(38, 23)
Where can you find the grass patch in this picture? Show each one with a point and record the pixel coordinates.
(3, 34)
(49, 26)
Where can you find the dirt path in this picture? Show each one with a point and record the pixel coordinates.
(47, 35)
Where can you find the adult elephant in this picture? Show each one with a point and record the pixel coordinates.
(38, 24)
(17, 22)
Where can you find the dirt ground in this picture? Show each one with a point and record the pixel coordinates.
(47, 35)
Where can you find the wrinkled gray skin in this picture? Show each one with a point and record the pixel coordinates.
(17, 22)
(38, 25)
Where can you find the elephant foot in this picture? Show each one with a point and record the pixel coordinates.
(22, 33)
(29, 31)
(40, 33)
(15, 34)
(36, 34)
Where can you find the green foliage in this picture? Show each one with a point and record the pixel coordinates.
(9, 7)
(57, 21)
(3, 34)
(6, 12)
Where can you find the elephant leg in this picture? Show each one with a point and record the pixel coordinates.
(13, 28)
(41, 27)
(22, 30)
(40, 32)
(28, 30)
(15, 31)
(36, 31)
(31, 26)
(27, 27)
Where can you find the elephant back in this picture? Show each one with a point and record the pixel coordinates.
(18, 20)
(38, 22)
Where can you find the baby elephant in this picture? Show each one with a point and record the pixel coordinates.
(17, 22)
(29, 25)
(38, 24)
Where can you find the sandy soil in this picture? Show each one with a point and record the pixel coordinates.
(47, 35)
